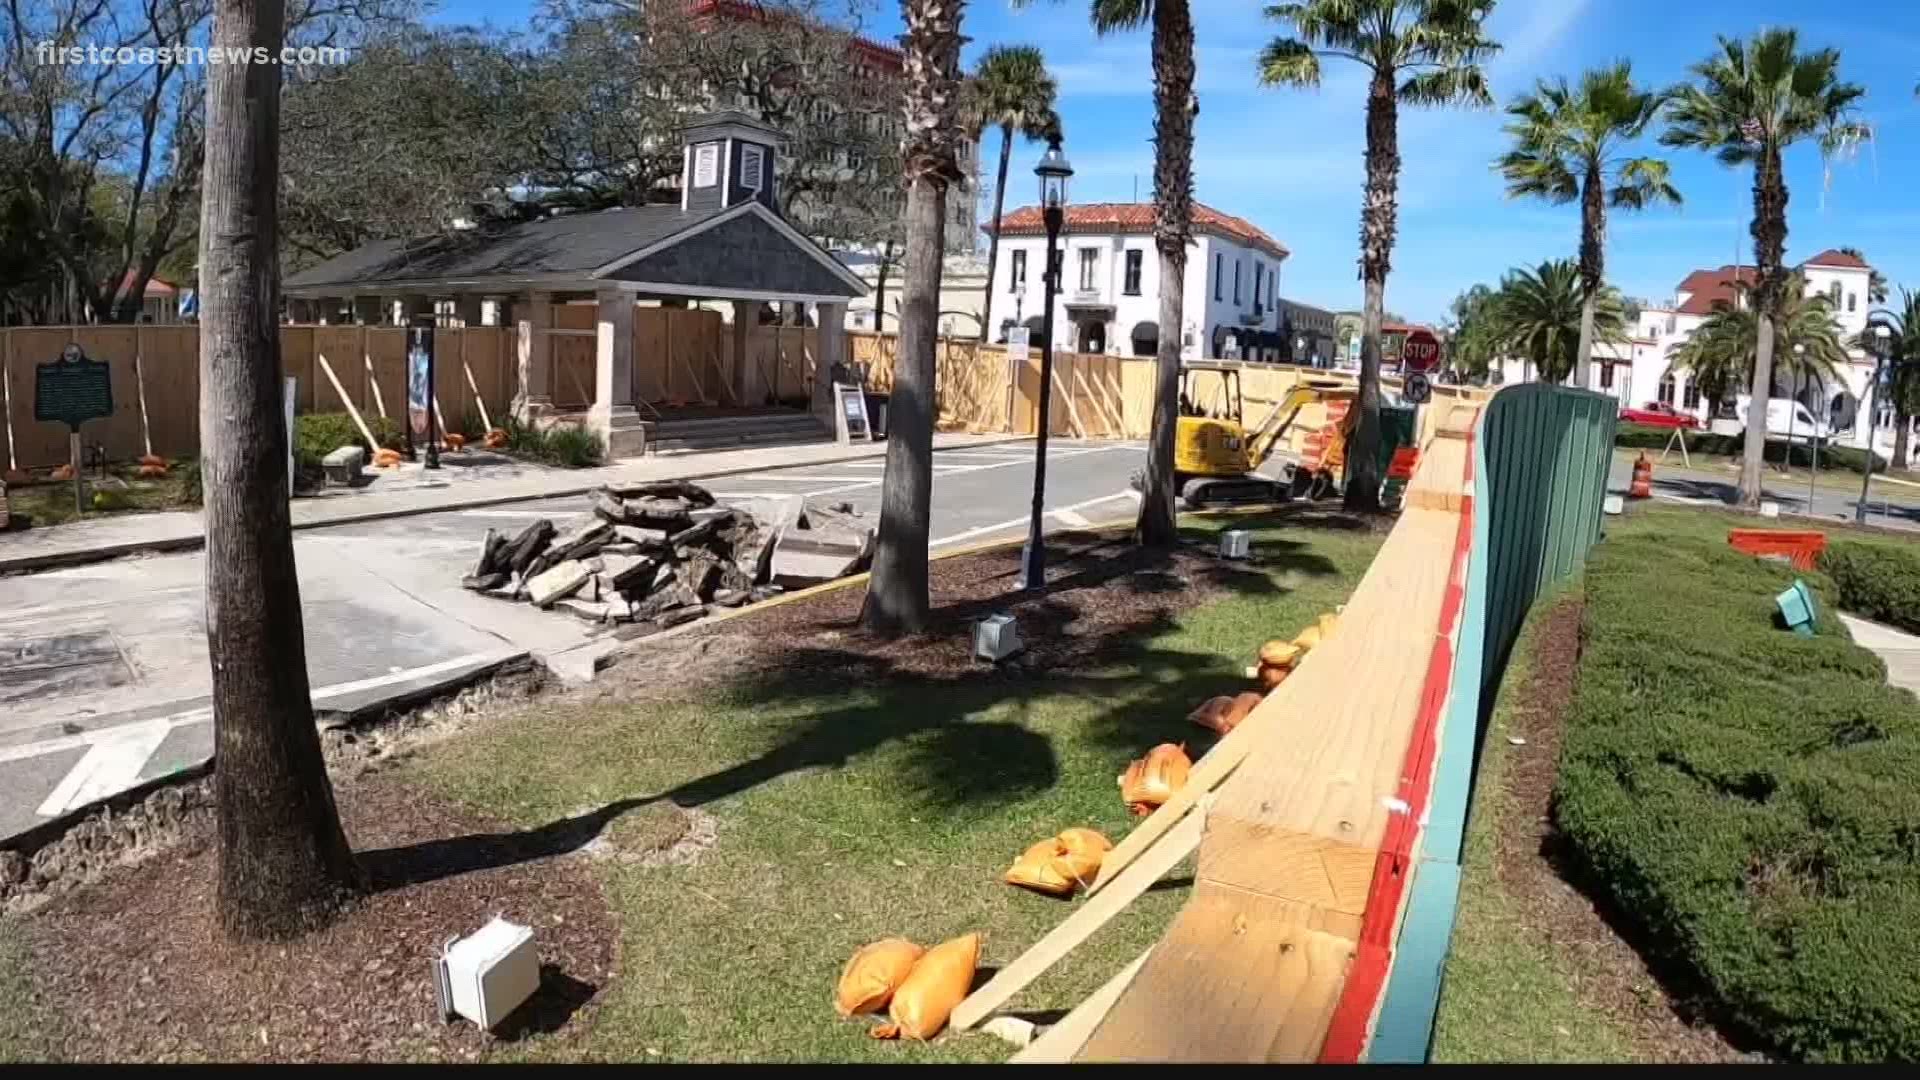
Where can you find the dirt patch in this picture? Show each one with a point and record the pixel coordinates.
(1097, 586)
(138, 970)
(104, 841)
(1608, 974)
(389, 738)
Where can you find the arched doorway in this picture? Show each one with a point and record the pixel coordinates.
(1146, 338)
(1093, 336)
(1666, 388)
(1843, 410)
(1217, 342)
(1036, 327)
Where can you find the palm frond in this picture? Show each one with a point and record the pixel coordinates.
(1644, 182)
(1109, 16)
(1289, 62)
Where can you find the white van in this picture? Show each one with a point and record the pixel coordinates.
(1786, 419)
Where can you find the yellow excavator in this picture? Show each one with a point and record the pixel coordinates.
(1216, 459)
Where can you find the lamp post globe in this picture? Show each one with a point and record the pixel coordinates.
(1053, 172)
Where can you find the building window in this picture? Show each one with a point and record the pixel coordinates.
(1690, 400)
(1853, 301)
(706, 164)
(1132, 283)
(1666, 389)
(1017, 273)
(1833, 293)
(1606, 376)
(1219, 276)
(750, 168)
(1258, 295)
(1236, 282)
(1089, 267)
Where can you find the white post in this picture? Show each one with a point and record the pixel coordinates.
(290, 392)
(533, 318)
(831, 334)
(613, 414)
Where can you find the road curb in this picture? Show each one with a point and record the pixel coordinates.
(52, 560)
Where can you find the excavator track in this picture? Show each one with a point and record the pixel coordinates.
(1204, 492)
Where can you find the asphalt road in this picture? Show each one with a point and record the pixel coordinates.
(103, 668)
(1890, 505)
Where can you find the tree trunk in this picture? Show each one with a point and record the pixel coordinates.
(1174, 110)
(1377, 227)
(993, 245)
(897, 594)
(284, 862)
(880, 289)
(1901, 432)
(1593, 240)
(1769, 242)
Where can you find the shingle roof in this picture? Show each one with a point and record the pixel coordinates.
(1713, 288)
(1138, 217)
(567, 244)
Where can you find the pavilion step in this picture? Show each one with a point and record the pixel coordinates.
(680, 436)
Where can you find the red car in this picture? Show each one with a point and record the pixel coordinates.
(1658, 414)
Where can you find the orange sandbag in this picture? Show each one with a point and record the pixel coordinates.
(1084, 842)
(17, 478)
(1280, 654)
(872, 975)
(153, 459)
(1153, 779)
(938, 982)
(148, 472)
(455, 441)
(1243, 706)
(64, 472)
(1327, 623)
(496, 438)
(1308, 639)
(1210, 713)
(1040, 868)
(1271, 677)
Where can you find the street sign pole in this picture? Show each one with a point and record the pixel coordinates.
(73, 463)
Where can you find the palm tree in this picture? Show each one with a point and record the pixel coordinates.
(1010, 90)
(897, 596)
(1174, 108)
(1568, 142)
(1418, 52)
(1808, 338)
(1903, 391)
(1473, 336)
(1752, 100)
(1542, 313)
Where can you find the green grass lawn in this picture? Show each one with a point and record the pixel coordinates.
(1508, 993)
(51, 503)
(22, 1027)
(851, 812)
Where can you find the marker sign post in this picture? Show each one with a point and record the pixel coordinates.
(1019, 342)
(851, 413)
(73, 390)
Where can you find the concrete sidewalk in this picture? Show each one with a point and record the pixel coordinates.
(1899, 649)
(105, 538)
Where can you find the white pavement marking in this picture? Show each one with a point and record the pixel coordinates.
(392, 677)
(505, 513)
(109, 767)
(1077, 521)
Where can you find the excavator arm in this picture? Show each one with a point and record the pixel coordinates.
(1262, 442)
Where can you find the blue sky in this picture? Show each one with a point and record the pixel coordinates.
(1291, 161)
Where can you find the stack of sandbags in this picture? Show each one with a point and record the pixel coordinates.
(152, 466)
(1059, 864)
(918, 989)
(1222, 714)
(1279, 658)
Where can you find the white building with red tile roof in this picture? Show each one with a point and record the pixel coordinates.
(1642, 371)
(1109, 292)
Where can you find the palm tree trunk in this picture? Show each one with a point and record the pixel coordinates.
(1593, 239)
(993, 245)
(1377, 227)
(897, 594)
(284, 862)
(1770, 242)
(1904, 427)
(1174, 109)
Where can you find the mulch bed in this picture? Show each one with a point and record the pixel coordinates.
(133, 967)
(1609, 975)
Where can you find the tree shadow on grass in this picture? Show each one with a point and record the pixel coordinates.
(871, 696)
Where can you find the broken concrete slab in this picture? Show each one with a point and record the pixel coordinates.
(609, 508)
(584, 538)
(557, 583)
(730, 597)
(484, 582)
(671, 514)
(677, 616)
(527, 545)
(695, 495)
(491, 546)
(642, 537)
(625, 572)
(817, 555)
(584, 609)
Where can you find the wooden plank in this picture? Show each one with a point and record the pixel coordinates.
(1058, 1044)
(327, 369)
(1237, 978)
(6, 395)
(1077, 927)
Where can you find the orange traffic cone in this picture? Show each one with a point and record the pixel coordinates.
(1642, 486)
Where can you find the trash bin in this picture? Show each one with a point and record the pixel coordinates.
(877, 414)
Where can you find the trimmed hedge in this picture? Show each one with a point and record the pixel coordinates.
(315, 435)
(1707, 444)
(1880, 580)
(1749, 797)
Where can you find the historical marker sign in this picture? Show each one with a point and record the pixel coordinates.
(72, 390)
(420, 384)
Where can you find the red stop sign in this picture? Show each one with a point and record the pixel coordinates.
(1421, 352)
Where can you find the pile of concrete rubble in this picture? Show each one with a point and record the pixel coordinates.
(662, 552)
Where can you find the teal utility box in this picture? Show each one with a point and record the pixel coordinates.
(1796, 609)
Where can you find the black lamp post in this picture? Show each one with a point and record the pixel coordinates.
(1882, 346)
(1053, 172)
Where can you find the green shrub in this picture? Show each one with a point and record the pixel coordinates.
(190, 490)
(565, 445)
(1880, 580)
(1707, 444)
(315, 435)
(1750, 798)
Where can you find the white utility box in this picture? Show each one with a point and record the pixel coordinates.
(1236, 544)
(1614, 504)
(996, 637)
(1769, 509)
(487, 974)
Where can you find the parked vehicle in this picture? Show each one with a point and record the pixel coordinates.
(1660, 414)
(1787, 420)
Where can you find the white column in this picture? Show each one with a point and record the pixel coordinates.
(746, 315)
(832, 338)
(613, 414)
(533, 318)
